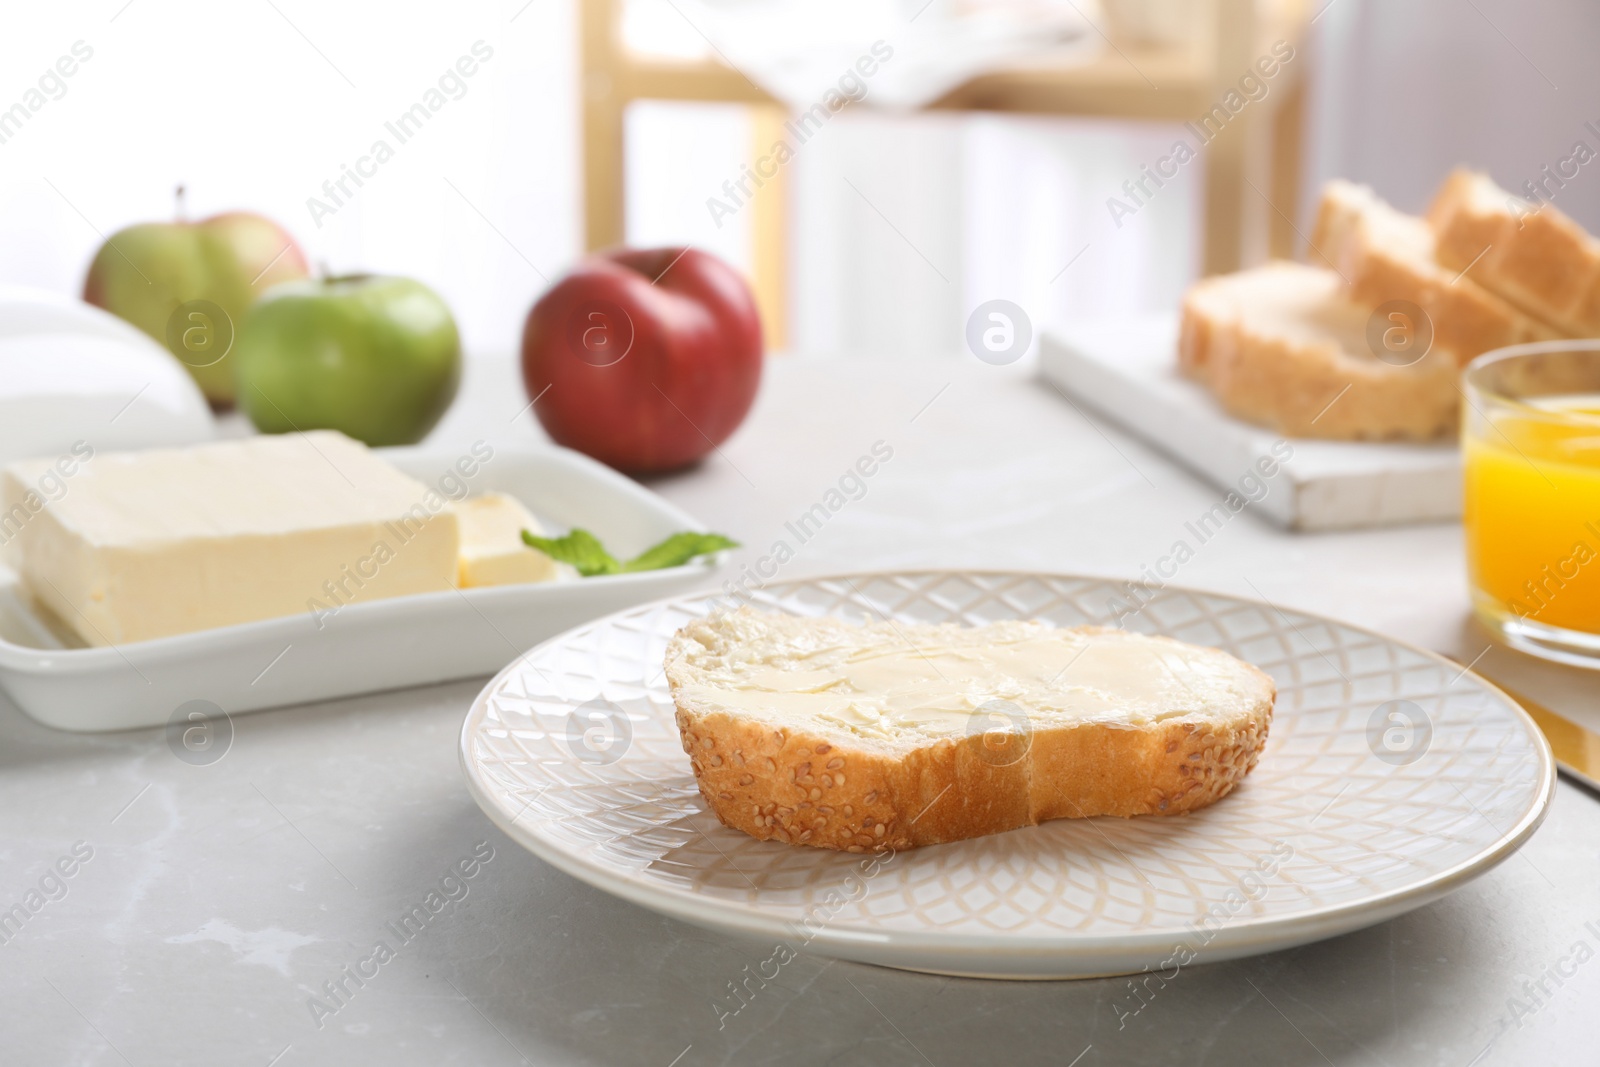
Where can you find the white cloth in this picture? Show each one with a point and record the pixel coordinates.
(800, 51)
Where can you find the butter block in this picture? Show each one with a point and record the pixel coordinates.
(149, 544)
(492, 552)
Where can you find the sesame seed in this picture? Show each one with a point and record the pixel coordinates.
(835, 763)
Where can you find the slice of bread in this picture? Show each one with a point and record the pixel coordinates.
(815, 731)
(1385, 255)
(1539, 260)
(1284, 347)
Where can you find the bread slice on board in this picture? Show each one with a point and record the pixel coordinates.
(816, 731)
(1386, 255)
(1539, 260)
(1283, 346)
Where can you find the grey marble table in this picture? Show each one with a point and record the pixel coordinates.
(209, 908)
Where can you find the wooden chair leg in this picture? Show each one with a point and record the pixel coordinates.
(604, 172)
(1224, 202)
(1226, 157)
(604, 223)
(769, 231)
(1288, 126)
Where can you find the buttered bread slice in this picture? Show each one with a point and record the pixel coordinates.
(819, 732)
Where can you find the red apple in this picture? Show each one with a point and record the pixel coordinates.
(645, 359)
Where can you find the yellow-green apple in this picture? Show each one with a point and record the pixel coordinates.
(188, 284)
(373, 356)
(645, 359)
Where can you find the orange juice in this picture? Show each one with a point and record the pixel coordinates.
(1532, 510)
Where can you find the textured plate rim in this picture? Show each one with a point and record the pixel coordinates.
(1265, 932)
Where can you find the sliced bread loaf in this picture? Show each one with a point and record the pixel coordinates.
(815, 731)
(1539, 260)
(1283, 346)
(1386, 255)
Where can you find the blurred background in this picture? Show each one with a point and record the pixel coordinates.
(876, 240)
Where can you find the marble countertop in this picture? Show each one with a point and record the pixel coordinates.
(207, 905)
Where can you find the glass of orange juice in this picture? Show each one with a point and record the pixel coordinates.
(1530, 438)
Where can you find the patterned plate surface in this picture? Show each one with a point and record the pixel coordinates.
(1390, 777)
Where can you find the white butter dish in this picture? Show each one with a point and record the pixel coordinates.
(364, 646)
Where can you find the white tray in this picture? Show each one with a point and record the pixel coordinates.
(384, 644)
(1127, 372)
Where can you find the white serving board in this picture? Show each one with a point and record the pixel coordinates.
(1127, 371)
(382, 644)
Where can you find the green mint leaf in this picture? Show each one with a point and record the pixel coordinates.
(579, 548)
(678, 549)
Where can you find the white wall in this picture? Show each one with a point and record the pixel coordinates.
(902, 225)
(1405, 91)
(233, 101)
(254, 106)
(236, 101)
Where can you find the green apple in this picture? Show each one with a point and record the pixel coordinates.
(188, 285)
(375, 357)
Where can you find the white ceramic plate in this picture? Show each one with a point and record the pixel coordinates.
(383, 644)
(1358, 811)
